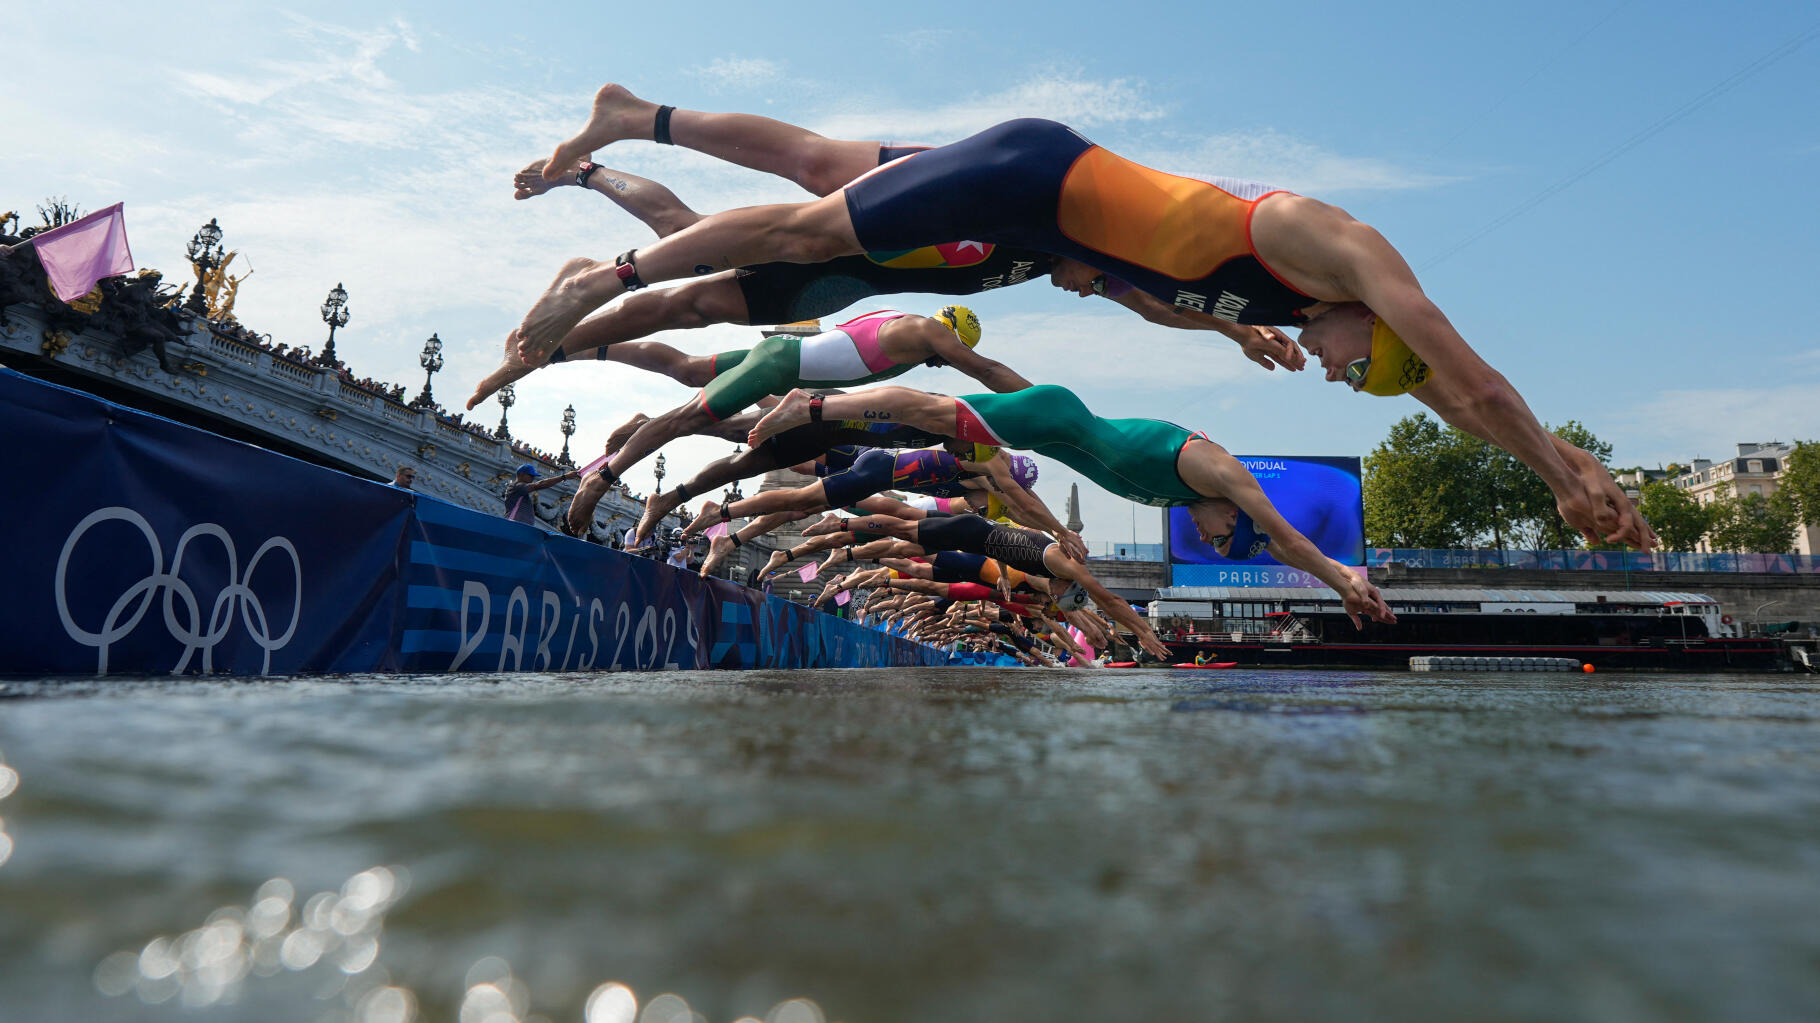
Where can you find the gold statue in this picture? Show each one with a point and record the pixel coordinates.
(225, 311)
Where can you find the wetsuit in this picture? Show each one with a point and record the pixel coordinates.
(877, 469)
(812, 440)
(962, 567)
(1133, 458)
(1015, 546)
(788, 292)
(1041, 185)
(848, 354)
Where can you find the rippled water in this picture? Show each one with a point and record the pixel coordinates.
(921, 845)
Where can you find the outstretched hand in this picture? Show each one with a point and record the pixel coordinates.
(1270, 348)
(1362, 598)
(1072, 545)
(1154, 646)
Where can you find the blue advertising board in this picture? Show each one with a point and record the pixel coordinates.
(158, 548)
(1319, 496)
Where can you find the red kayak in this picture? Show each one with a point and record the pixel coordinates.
(1210, 664)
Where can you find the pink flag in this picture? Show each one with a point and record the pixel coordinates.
(718, 529)
(809, 571)
(80, 253)
(843, 596)
(594, 466)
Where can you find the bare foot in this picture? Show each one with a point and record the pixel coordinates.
(581, 286)
(617, 439)
(778, 560)
(656, 507)
(718, 549)
(835, 557)
(617, 115)
(511, 368)
(830, 523)
(792, 411)
(587, 496)
(530, 183)
(708, 516)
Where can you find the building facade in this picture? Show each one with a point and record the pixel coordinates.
(1757, 468)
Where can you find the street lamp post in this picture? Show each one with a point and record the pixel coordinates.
(568, 430)
(204, 251)
(431, 361)
(737, 451)
(508, 396)
(659, 470)
(335, 314)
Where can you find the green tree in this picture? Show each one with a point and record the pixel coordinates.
(1801, 480)
(1678, 519)
(1753, 524)
(1419, 486)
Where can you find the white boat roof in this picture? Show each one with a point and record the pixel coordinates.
(1437, 595)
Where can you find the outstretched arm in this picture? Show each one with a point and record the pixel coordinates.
(1064, 567)
(1025, 506)
(1266, 346)
(1371, 270)
(1632, 528)
(1209, 469)
(995, 375)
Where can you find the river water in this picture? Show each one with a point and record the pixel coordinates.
(939, 845)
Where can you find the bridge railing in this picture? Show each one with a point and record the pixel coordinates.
(1595, 561)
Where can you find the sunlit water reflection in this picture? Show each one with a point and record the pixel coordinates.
(929, 845)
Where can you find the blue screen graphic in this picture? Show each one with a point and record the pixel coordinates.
(1321, 498)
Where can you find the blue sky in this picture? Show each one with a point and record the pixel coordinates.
(1662, 298)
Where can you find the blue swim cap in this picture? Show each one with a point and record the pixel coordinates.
(528, 469)
(1247, 542)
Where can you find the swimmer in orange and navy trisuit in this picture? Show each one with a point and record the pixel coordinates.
(1232, 250)
(777, 292)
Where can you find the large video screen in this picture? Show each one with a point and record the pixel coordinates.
(1319, 496)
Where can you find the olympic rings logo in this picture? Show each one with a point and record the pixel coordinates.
(236, 594)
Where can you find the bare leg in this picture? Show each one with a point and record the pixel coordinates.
(818, 164)
(811, 232)
(802, 499)
(744, 465)
(932, 412)
(594, 486)
(655, 206)
(723, 545)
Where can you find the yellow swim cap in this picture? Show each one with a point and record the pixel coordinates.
(1394, 368)
(963, 322)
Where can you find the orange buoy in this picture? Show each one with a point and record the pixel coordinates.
(1587, 668)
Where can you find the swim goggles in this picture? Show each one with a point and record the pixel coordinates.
(1356, 371)
(1099, 285)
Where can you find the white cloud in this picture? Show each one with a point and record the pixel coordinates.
(1060, 96)
(1708, 422)
(1286, 162)
(739, 72)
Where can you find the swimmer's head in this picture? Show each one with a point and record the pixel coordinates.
(1227, 529)
(1355, 346)
(963, 322)
(1023, 470)
(1076, 276)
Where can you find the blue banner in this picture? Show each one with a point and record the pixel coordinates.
(179, 551)
(1319, 496)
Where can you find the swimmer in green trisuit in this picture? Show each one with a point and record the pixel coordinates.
(1144, 460)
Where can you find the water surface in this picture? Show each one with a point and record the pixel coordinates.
(946, 844)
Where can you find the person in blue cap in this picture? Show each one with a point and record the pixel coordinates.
(519, 506)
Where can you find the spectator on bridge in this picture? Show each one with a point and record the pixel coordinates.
(519, 505)
(404, 477)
